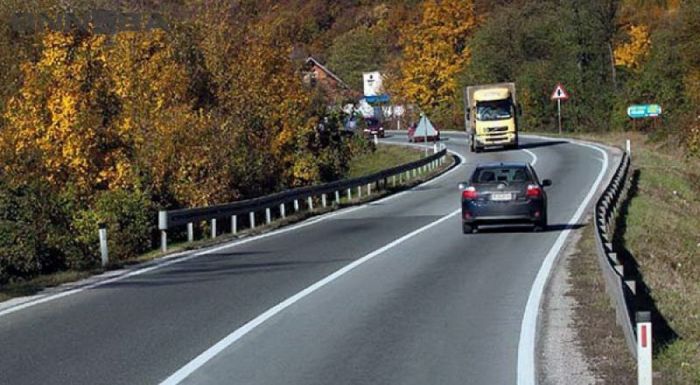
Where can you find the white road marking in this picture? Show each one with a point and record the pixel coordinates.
(528, 329)
(533, 155)
(172, 259)
(239, 333)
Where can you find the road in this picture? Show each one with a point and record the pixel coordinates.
(433, 307)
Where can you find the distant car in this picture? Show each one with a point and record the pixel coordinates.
(504, 193)
(412, 138)
(373, 127)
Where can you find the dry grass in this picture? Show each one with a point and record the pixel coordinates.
(594, 316)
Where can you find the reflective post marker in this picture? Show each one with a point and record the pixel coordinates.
(644, 369)
(104, 252)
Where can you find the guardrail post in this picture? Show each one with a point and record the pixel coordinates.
(359, 191)
(337, 197)
(283, 214)
(268, 216)
(190, 232)
(628, 147)
(349, 194)
(310, 202)
(296, 205)
(393, 181)
(163, 226)
(323, 200)
(435, 148)
(213, 228)
(234, 224)
(644, 338)
(376, 141)
(369, 188)
(104, 252)
(251, 219)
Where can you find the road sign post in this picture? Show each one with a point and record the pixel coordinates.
(559, 94)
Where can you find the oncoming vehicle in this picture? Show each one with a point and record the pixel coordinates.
(504, 193)
(373, 127)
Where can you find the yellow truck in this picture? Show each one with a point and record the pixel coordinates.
(491, 116)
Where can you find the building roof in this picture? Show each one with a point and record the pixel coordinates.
(311, 60)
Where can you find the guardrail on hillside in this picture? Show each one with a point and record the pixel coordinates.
(277, 203)
(620, 288)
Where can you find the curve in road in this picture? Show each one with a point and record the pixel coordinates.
(429, 306)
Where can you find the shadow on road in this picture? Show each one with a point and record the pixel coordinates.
(498, 229)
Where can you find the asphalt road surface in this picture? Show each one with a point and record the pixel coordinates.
(434, 307)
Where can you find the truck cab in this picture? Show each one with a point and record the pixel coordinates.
(491, 116)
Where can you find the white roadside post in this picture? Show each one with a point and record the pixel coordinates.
(268, 216)
(190, 232)
(310, 201)
(283, 212)
(213, 228)
(628, 147)
(376, 141)
(296, 205)
(251, 219)
(349, 195)
(234, 224)
(104, 252)
(644, 337)
(369, 188)
(337, 197)
(163, 226)
(359, 191)
(323, 200)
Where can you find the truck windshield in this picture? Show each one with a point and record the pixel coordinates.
(493, 110)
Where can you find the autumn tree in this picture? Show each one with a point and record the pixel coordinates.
(434, 52)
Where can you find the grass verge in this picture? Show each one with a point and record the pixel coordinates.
(385, 156)
(661, 231)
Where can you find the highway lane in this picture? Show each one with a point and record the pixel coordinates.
(440, 307)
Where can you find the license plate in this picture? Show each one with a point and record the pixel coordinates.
(501, 197)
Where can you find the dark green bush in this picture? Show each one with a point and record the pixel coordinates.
(128, 216)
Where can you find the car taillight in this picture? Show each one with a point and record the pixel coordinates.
(469, 193)
(534, 191)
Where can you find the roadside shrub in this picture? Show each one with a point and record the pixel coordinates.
(31, 232)
(128, 216)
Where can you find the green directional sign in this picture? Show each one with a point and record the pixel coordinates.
(639, 111)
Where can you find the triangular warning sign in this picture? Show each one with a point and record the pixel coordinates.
(560, 93)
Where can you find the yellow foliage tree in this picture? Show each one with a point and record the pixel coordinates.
(60, 123)
(434, 51)
(632, 53)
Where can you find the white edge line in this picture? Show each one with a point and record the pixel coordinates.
(170, 260)
(239, 333)
(532, 154)
(528, 329)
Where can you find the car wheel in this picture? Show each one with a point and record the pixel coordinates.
(468, 229)
(540, 226)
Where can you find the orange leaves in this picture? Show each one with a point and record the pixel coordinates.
(632, 53)
(434, 50)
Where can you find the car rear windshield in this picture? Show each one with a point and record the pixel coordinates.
(501, 174)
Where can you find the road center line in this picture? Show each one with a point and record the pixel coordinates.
(528, 329)
(239, 333)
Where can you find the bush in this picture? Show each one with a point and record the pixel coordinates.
(128, 216)
(31, 232)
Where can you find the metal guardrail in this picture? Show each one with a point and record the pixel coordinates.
(169, 219)
(620, 288)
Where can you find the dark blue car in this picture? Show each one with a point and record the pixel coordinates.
(504, 193)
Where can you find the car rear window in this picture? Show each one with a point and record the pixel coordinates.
(501, 174)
